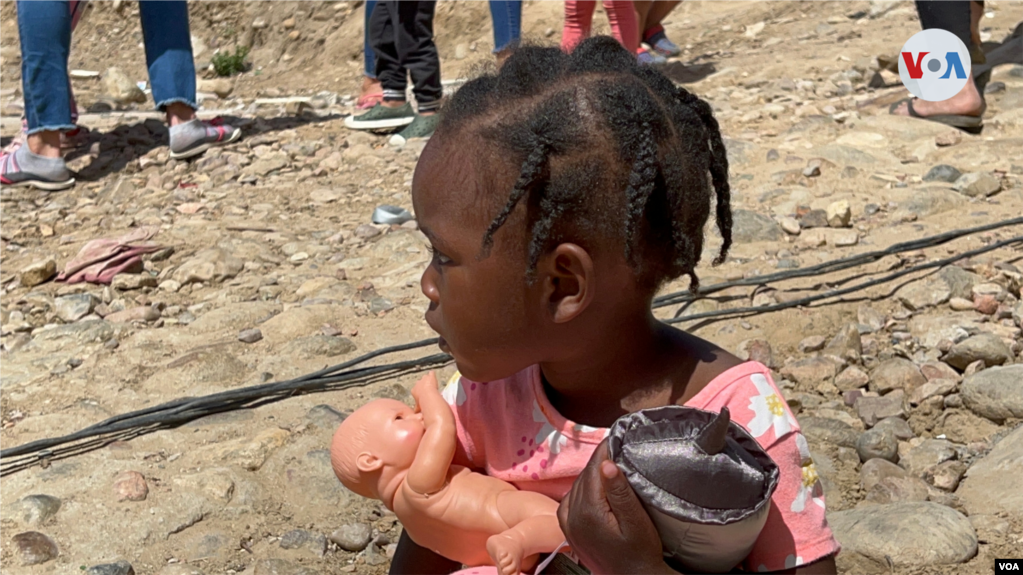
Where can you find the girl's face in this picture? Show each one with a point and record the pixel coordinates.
(487, 316)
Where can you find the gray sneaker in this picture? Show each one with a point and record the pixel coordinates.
(380, 117)
(420, 128)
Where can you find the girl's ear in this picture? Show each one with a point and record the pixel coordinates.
(567, 274)
(366, 462)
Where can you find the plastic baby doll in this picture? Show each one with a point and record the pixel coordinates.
(388, 451)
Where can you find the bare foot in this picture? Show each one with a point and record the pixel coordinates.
(370, 86)
(968, 102)
(506, 553)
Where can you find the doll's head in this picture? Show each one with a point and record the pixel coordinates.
(558, 194)
(375, 446)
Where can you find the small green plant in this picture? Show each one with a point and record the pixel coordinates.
(227, 64)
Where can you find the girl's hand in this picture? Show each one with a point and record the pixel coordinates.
(605, 523)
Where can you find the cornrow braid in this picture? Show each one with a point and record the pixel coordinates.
(531, 170)
(609, 153)
(642, 180)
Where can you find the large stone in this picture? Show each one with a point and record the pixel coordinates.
(870, 318)
(71, 308)
(131, 486)
(828, 430)
(986, 347)
(353, 537)
(898, 426)
(911, 534)
(874, 409)
(991, 484)
(851, 378)
(749, 226)
(38, 272)
(121, 89)
(942, 173)
(933, 388)
(978, 184)
(924, 293)
(878, 443)
(314, 543)
(33, 510)
(995, 393)
(918, 460)
(896, 489)
(265, 165)
(839, 214)
(896, 373)
(209, 266)
(812, 370)
(34, 547)
(875, 470)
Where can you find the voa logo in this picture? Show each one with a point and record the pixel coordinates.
(934, 65)
(1007, 566)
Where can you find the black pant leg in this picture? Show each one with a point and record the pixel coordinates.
(950, 15)
(418, 53)
(390, 72)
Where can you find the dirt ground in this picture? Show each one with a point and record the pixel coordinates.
(274, 233)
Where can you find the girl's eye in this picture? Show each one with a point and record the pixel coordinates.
(438, 257)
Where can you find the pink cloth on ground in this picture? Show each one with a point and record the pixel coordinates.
(579, 21)
(100, 260)
(508, 429)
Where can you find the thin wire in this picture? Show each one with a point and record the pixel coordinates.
(346, 375)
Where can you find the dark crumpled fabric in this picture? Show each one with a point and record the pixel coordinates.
(709, 508)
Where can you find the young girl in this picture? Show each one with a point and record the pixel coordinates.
(558, 195)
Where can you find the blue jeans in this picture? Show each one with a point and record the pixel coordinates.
(507, 18)
(44, 27)
(369, 59)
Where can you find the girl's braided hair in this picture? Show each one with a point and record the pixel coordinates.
(607, 149)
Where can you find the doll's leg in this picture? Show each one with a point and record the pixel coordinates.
(533, 529)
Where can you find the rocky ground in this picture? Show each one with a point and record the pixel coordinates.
(909, 393)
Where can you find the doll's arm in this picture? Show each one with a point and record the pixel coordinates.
(429, 471)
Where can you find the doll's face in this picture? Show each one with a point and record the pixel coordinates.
(394, 431)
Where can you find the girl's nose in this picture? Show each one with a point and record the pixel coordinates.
(429, 286)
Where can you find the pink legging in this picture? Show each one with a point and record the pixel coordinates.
(579, 18)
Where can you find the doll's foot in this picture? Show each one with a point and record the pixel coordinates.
(506, 553)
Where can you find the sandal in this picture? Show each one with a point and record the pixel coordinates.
(968, 124)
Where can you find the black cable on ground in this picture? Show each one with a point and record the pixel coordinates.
(737, 312)
(347, 375)
(834, 265)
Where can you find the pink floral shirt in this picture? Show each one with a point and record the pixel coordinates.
(508, 429)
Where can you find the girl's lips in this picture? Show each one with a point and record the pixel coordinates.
(443, 345)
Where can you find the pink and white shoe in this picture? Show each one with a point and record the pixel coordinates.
(196, 136)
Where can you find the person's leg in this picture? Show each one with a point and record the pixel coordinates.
(653, 32)
(953, 16)
(506, 16)
(172, 77)
(393, 111)
(578, 20)
(624, 26)
(418, 53)
(44, 29)
(371, 92)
